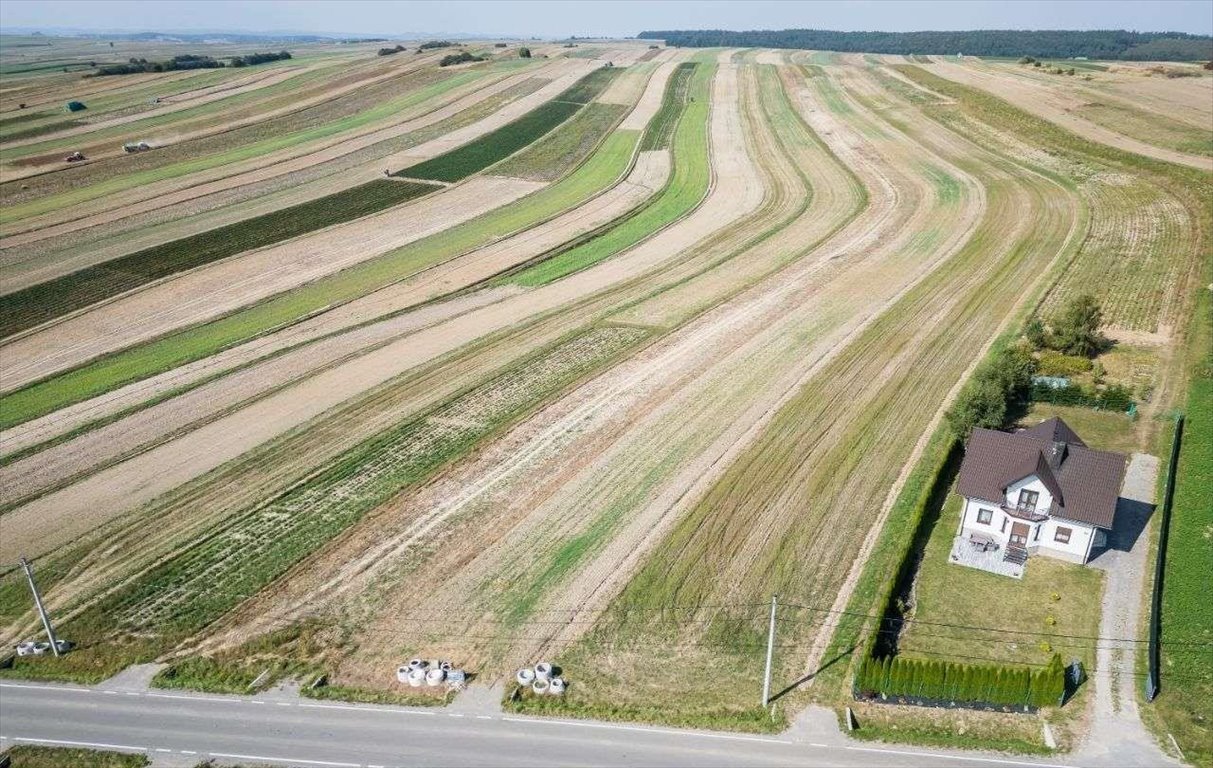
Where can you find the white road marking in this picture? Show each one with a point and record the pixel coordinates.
(369, 709)
(941, 756)
(45, 687)
(815, 744)
(188, 752)
(484, 717)
(668, 731)
(187, 698)
(289, 760)
(453, 714)
(122, 747)
(284, 704)
(162, 749)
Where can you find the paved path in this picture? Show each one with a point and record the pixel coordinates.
(184, 729)
(1117, 736)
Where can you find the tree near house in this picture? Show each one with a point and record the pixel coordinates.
(1076, 327)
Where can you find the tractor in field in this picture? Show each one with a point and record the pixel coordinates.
(136, 146)
(75, 157)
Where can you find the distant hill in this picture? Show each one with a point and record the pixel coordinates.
(1053, 44)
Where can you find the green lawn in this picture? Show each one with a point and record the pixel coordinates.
(1186, 699)
(946, 593)
(1101, 430)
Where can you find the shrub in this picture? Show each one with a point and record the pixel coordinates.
(983, 400)
(1076, 327)
(1035, 333)
(390, 51)
(524, 53)
(458, 58)
(1053, 363)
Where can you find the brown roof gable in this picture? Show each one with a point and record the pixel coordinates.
(1085, 483)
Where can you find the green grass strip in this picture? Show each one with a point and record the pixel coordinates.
(494, 146)
(46, 301)
(200, 341)
(687, 187)
(673, 101)
(497, 145)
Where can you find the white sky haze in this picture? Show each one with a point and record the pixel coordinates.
(616, 18)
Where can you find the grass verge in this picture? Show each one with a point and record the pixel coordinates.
(38, 756)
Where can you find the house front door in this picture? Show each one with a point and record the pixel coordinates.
(1019, 534)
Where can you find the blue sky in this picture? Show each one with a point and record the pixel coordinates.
(555, 18)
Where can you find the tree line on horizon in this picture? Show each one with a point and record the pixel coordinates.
(1091, 44)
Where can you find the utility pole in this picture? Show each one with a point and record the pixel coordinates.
(46, 620)
(770, 652)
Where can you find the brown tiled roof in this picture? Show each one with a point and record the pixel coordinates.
(1084, 483)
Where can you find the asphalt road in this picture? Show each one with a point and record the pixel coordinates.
(184, 729)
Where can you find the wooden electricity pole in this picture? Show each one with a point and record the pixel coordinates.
(46, 620)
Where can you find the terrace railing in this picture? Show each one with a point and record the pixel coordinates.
(1024, 512)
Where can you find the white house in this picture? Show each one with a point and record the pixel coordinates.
(1037, 491)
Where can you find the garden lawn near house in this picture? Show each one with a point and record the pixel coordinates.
(1101, 430)
(1015, 611)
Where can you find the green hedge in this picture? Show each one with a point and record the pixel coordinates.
(1112, 398)
(944, 681)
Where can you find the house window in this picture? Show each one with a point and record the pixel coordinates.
(984, 516)
(1027, 499)
(1062, 536)
(1036, 536)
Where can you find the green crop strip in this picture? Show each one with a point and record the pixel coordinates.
(497, 145)
(564, 148)
(687, 187)
(139, 362)
(46, 301)
(673, 102)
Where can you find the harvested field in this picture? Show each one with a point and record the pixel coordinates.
(46, 301)
(660, 340)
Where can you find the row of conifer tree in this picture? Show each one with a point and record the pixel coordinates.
(1015, 686)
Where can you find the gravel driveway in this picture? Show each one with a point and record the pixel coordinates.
(1117, 736)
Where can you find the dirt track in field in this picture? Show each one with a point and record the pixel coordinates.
(1051, 105)
(54, 466)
